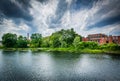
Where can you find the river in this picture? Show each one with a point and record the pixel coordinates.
(56, 66)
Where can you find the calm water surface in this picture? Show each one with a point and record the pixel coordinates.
(49, 66)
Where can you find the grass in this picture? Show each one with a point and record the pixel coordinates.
(71, 50)
(15, 49)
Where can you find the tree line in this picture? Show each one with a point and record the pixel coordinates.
(60, 39)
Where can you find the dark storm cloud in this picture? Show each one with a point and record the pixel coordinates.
(111, 10)
(82, 4)
(105, 22)
(82, 15)
(62, 7)
(1, 17)
(111, 5)
(12, 10)
(43, 1)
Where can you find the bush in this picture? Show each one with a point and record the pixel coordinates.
(9, 40)
(90, 45)
(110, 46)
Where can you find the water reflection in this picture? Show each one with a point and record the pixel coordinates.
(43, 64)
(56, 66)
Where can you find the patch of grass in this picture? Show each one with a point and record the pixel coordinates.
(1, 47)
(9, 49)
(22, 49)
(71, 50)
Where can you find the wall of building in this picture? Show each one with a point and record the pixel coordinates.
(102, 38)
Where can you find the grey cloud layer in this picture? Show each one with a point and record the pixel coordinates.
(15, 9)
(47, 16)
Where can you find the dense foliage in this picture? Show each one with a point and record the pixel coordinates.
(110, 46)
(60, 39)
(22, 42)
(63, 38)
(36, 40)
(9, 40)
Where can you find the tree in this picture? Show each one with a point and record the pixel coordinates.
(76, 41)
(90, 45)
(68, 36)
(55, 42)
(63, 38)
(22, 42)
(36, 40)
(9, 40)
(63, 43)
(45, 42)
(110, 46)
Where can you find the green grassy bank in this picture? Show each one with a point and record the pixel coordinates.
(71, 50)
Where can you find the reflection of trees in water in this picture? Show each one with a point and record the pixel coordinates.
(65, 60)
(65, 55)
(8, 52)
(98, 56)
(115, 57)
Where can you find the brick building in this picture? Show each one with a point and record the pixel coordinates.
(84, 39)
(96, 37)
(116, 39)
(102, 38)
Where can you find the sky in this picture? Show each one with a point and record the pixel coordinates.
(47, 16)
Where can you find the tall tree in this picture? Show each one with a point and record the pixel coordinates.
(55, 42)
(68, 36)
(76, 41)
(36, 40)
(9, 40)
(22, 42)
(45, 42)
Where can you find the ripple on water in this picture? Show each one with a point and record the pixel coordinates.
(48, 66)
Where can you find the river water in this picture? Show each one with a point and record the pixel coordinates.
(56, 66)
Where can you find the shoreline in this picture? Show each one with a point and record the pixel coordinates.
(69, 50)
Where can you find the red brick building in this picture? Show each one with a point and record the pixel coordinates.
(84, 39)
(102, 38)
(115, 39)
(96, 37)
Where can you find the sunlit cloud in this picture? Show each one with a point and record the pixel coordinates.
(48, 16)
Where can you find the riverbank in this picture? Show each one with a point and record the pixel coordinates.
(90, 51)
(71, 50)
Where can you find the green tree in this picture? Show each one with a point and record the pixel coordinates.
(63, 38)
(36, 40)
(110, 46)
(90, 45)
(55, 42)
(45, 42)
(68, 36)
(9, 40)
(63, 43)
(22, 42)
(76, 41)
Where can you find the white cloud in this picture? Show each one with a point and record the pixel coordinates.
(24, 27)
(43, 13)
(108, 30)
(79, 20)
(8, 26)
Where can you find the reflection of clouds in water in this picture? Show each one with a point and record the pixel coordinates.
(100, 57)
(84, 64)
(96, 66)
(43, 65)
(24, 59)
(91, 64)
(0, 60)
